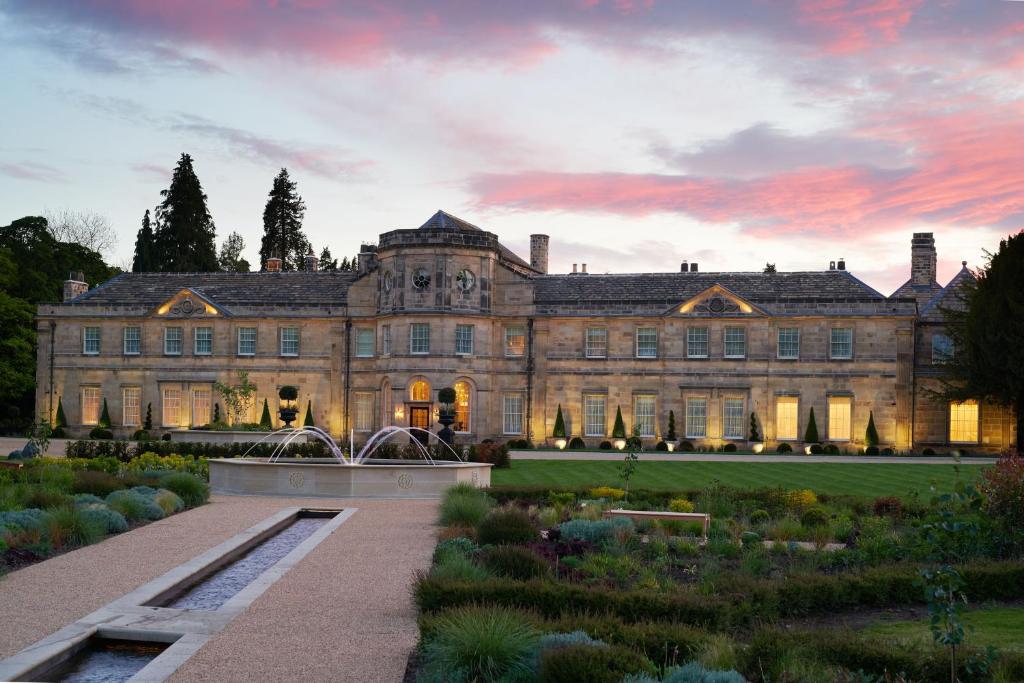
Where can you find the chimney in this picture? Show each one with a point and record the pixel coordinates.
(922, 259)
(539, 252)
(693, 267)
(584, 268)
(312, 262)
(367, 258)
(831, 265)
(75, 285)
(574, 268)
(684, 267)
(273, 265)
(841, 264)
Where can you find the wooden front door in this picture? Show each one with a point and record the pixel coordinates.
(419, 418)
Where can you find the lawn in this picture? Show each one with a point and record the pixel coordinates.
(1000, 627)
(867, 479)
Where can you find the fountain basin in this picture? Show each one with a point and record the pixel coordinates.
(330, 478)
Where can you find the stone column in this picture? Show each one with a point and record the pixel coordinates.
(904, 387)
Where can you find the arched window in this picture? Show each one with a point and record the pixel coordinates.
(463, 400)
(419, 391)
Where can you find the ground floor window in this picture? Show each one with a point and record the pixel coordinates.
(512, 414)
(363, 419)
(643, 415)
(131, 406)
(733, 423)
(696, 418)
(839, 418)
(90, 405)
(172, 407)
(963, 422)
(593, 415)
(463, 398)
(201, 406)
(786, 421)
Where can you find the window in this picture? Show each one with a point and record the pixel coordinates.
(419, 338)
(385, 340)
(91, 341)
(593, 415)
(963, 422)
(90, 405)
(643, 414)
(786, 417)
(172, 341)
(942, 349)
(131, 406)
(203, 341)
(364, 343)
(697, 342)
(696, 418)
(464, 339)
(363, 418)
(132, 341)
(839, 418)
(735, 342)
(419, 391)
(463, 396)
(515, 341)
(200, 406)
(172, 407)
(512, 414)
(597, 342)
(733, 414)
(789, 342)
(841, 345)
(646, 342)
(246, 341)
(290, 341)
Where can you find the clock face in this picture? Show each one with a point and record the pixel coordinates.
(421, 278)
(465, 279)
(389, 281)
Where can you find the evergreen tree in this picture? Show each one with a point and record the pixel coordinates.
(185, 232)
(871, 434)
(282, 225)
(230, 258)
(216, 413)
(145, 248)
(344, 267)
(265, 422)
(670, 435)
(619, 429)
(811, 433)
(326, 262)
(62, 420)
(559, 430)
(148, 424)
(755, 435)
(104, 416)
(308, 422)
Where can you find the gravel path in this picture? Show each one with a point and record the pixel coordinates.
(747, 457)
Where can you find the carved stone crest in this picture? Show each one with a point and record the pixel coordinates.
(716, 305)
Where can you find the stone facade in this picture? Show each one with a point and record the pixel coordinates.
(448, 305)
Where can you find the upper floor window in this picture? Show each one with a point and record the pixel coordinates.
(132, 341)
(172, 341)
(789, 342)
(515, 340)
(646, 342)
(697, 342)
(419, 338)
(203, 341)
(942, 349)
(735, 342)
(364, 343)
(464, 341)
(91, 341)
(597, 342)
(841, 344)
(385, 340)
(290, 341)
(246, 341)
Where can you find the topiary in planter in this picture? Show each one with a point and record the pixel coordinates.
(670, 433)
(817, 449)
(148, 423)
(287, 393)
(619, 429)
(559, 430)
(830, 449)
(100, 433)
(755, 435)
(104, 417)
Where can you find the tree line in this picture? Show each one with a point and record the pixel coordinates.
(180, 235)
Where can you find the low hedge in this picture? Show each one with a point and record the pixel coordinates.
(126, 450)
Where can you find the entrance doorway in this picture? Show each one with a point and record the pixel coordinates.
(419, 417)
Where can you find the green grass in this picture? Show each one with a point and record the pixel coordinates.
(855, 478)
(1000, 627)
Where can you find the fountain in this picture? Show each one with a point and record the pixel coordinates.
(346, 475)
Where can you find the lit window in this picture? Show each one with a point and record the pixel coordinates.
(90, 405)
(364, 343)
(172, 407)
(839, 418)
(420, 391)
(515, 341)
(697, 342)
(463, 396)
(597, 342)
(841, 345)
(363, 419)
(246, 341)
(733, 414)
(696, 418)
(512, 414)
(419, 338)
(464, 339)
(593, 415)
(643, 414)
(786, 417)
(942, 349)
(203, 341)
(132, 341)
(646, 342)
(172, 341)
(131, 406)
(200, 406)
(290, 341)
(789, 342)
(735, 342)
(91, 341)
(963, 422)
(385, 340)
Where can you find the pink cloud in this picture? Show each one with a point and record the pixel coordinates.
(854, 25)
(30, 170)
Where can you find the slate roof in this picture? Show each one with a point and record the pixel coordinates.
(919, 292)
(442, 220)
(946, 297)
(227, 289)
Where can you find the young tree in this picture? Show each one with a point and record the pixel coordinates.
(145, 248)
(670, 435)
(326, 262)
(987, 329)
(62, 420)
(769, 268)
(559, 430)
(755, 435)
(282, 225)
(185, 231)
(811, 433)
(230, 258)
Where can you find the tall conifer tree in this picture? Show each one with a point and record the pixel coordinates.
(282, 225)
(327, 263)
(185, 232)
(145, 248)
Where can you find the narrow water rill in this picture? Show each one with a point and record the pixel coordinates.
(103, 660)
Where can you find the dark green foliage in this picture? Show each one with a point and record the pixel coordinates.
(148, 423)
(759, 516)
(814, 516)
(871, 450)
(784, 448)
(559, 431)
(126, 450)
(62, 420)
(479, 646)
(44, 497)
(446, 395)
(70, 528)
(755, 435)
(729, 448)
(811, 433)
(871, 433)
(465, 505)
(104, 416)
(265, 422)
(140, 435)
(134, 506)
(619, 429)
(101, 433)
(594, 664)
(192, 490)
(661, 446)
(605, 445)
(287, 393)
(576, 443)
(185, 232)
(327, 263)
(99, 484)
(830, 449)
(507, 525)
(216, 413)
(686, 447)
(515, 562)
(145, 260)
(488, 451)
(282, 225)
(111, 521)
(308, 420)
(817, 449)
(230, 257)
(670, 433)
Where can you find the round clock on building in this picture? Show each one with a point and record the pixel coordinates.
(465, 279)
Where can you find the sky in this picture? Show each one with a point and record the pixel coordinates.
(636, 133)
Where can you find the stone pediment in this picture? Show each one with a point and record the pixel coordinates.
(189, 303)
(717, 301)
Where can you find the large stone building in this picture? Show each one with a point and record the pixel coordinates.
(447, 305)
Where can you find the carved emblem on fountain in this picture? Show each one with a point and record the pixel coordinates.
(296, 480)
(405, 481)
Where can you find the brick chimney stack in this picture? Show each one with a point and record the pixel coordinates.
(539, 252)
(273, 265)
(75, 285)
(922, 259)
(312, 262)
(367, 258)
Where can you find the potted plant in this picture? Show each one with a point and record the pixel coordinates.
(288, 411)
(446, 414)
(756, 444)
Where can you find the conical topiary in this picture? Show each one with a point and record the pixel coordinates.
(216, 413)
(811, 433)
(265, 422)
(619, 430)
(62, 420)
(670, 435)
(871, 435)
(104, 416)
(559, 431)
(148, 424)
(308, 422)
(755, 434)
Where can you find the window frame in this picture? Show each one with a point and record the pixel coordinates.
(691, 342)
(126, 421)
(511, 332)
(163, 406)
(209, 405)
(740, 435)
(425, 339)
(725, 341)
(519, 398)
(125, 339)
(831, 402)
(255, 339)
(636, 336)
(461, 337)
(385, 340)
(975, 424)
(587, 402)
(99, 404)
(195, 341)
(796, 341)
(363, 401)
(590, 349)
(943, 356)
(689, 418)
(364, 350)
(795, 402)
(651, 419)
(281, 341)
(87, 339)
(180, 341)
(832, 343)
(468, 409)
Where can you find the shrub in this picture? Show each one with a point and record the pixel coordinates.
(111, 521)
(680, 505)
(784, 448)
(192, 490)
(814, 516)
(464, 504)
(101, 484)
(454, 546)
(507, 525)
(32, 519)
(811, 433)
(871, 433)
(871, 450)
(44, 497)
(577, 443)
(750, 538)
(559, 430)
(70, 528)
(140, 435)
(686, 447)
(101, 433)
(608, 492)
(890, 506)
(1003, 488)
(515, 562)
(759, 516)
(481, 645)
(87, 499)
(800, 500)
(729, 448)
(490, 452)
(457, 567)
(591, 663)
(605, 445)
(817, 449)
(134, 506)
(661, 446)
(596, 532)
(619, 428)
(830, 449)
(151, 462)
(168, 501)
(928, 451)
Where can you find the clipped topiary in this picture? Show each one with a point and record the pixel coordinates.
(111, 521)
(308, 421)
(148, 423)
(755, 435)
(811, 433)
(670, 433)
(577, 443)
(104, 416)
(507, 525)
(134, 506)
(286, 393)
(62, 420)
(871, 433)
(605, 445)
(265, 422)
(559, 431)
(619, 428)
(101, 433)
(814, 516)
(784, 448)
(759, 516)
